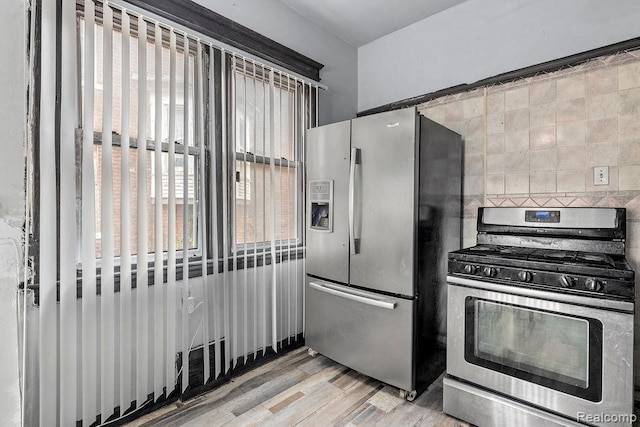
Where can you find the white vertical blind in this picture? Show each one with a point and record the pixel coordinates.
(172, 296)
(266, 131)
(107, 351)
(203, 211)
(147, 134)
(245, 284)
(68, 292)
(272, 179)
(186, 345)
(48, 244)
(234, 274)
(142, 291)
(213, 174)
(226, 160)
(158, 282)
(89, 299)
(126, 344)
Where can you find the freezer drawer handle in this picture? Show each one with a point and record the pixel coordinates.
(365, 300)
(353, 242)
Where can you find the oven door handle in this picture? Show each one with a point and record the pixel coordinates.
(604, 303)
(389, 305)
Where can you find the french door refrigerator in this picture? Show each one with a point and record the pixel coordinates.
(383, 211)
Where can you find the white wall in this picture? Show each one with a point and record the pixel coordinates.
(12, 126)
(273, 19)
(483, 38)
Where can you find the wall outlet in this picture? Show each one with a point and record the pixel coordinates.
(191, 304)
(601, 175)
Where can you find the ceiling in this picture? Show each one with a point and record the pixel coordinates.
(359, 22)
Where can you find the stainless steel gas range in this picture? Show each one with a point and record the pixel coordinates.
(540, 320)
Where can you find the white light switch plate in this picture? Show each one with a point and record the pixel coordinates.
(601, 175)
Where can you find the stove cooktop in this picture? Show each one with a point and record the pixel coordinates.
(590, 273)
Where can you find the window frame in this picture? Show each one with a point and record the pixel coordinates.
(193, 254)
(259, 73)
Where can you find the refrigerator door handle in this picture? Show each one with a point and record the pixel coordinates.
(352, 296)
(353, 242)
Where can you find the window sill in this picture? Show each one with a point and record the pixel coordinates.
(251, 260)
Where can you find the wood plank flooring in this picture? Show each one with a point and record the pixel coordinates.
(299, 390)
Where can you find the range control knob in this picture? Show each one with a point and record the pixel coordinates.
(489, 272)
(525, 276)
(566, 281)
(593, 285)
(470, 269)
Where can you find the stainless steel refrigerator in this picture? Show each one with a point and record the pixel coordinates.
(383, 211)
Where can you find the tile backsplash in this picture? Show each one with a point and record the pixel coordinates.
(536, 141)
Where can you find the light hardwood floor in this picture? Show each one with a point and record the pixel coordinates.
(297, 389)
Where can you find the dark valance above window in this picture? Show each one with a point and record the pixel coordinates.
(212, 24)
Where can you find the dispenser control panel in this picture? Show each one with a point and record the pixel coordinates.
(321, 205)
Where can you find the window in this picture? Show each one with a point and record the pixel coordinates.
(184, 123)
(267, 111)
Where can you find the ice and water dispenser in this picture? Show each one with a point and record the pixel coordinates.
(321, 209)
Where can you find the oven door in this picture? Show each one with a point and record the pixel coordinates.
(570, 356)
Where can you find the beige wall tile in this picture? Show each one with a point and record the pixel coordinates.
(542, 138)
(543, 160)
(516, 99)
(473, 165)
(603, 131)
(542, 92)
(602, 155)
(473, 107)
(629, 127)
(495, 101)
(633, 234)
(544, 115)
(467, 243)
(495, 183)
(571, 134)
(629, 75)
(436, 113)
(613, 181)
(571, 158)
(458, 126)
(629, 177)
(473, 185)
(517, 183)
(571, 180)
(454, 112)
(542, 182)
(629, 153)
(495, 163)
(516, 141)
(495, 123)
(473, 147)
(602, 80)
(516, 120)
(517, 162)
(629, 101)
(570, 87)
(469, 230)
(602, 106)
(474, 128)
(495, 143)
(572, 110)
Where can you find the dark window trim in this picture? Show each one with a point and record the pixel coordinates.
(212, 24)
(545, 67)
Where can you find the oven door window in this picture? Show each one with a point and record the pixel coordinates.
(551, 349)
